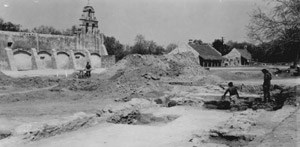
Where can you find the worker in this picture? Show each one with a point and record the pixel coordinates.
(266, 85)
(88, 69)
(233, 93)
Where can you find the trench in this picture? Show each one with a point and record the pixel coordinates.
(280, 96)
(5, 134)
(231, 140)
(134, 117)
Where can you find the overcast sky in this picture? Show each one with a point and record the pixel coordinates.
(164, 21)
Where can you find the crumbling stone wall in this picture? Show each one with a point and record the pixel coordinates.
(95, 60)
(23, 60)
(45, 60)
(27, 41)
(85, 47)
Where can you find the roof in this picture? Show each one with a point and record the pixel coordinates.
(245, 53)
(184, 47)
(207, 52)
(87, 8)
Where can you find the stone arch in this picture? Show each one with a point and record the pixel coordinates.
(80, 60)
(63, 53)
(44, 58)
(79, 54)
(63, 60)
(96, 60)
(23, 60)
(44, 52)
(21, 52)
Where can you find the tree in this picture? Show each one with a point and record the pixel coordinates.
(171, 47)
(281, 24)
(46, 30)
(219, 45)
(114, 47)
(70, 31)
(198, 41)
(143, 46)
(9, 26)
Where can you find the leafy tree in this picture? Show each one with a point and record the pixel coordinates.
(171, 47)
(9, 26)
(46, 30)
(198, 41)
(114, 47)
(280, 24)
(143, 46)
(220, 46)
(70, 31)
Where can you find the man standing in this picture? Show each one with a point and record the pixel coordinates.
(267, 85)
(234, 95)
(88, 69)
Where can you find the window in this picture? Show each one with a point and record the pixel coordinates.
(86, 27)
(93, 26)
(42, 57)
(77, 57)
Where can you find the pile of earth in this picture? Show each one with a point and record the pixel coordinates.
(139, 74)
(145, 73)
(27, 82)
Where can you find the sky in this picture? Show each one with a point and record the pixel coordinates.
(163, 21)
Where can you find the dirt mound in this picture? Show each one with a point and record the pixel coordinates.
(27, 82)
(37, 131)
(145, 72)
(167, 65)
(138, 75)
(4, 79)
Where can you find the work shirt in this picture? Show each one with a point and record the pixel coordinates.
(267, 79)
(88, 67)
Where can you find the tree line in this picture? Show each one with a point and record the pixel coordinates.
(275, 35)
(43, 29)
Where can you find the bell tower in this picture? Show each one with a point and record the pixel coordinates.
(89, 36)
(89, 22)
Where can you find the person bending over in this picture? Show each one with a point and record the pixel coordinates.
(233, 93)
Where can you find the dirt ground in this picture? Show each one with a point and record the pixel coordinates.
(44, 106)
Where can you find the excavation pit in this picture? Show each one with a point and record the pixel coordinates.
(5, 134)
(134, 117)
(231, 140)
(150, 119)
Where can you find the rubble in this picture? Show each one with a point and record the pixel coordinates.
(37, 131)
(27, 82)
(5, 134)
(126, 116)
(235, 131)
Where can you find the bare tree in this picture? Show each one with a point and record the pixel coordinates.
(281, 22)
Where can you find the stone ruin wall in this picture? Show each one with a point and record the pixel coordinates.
(43, 51)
